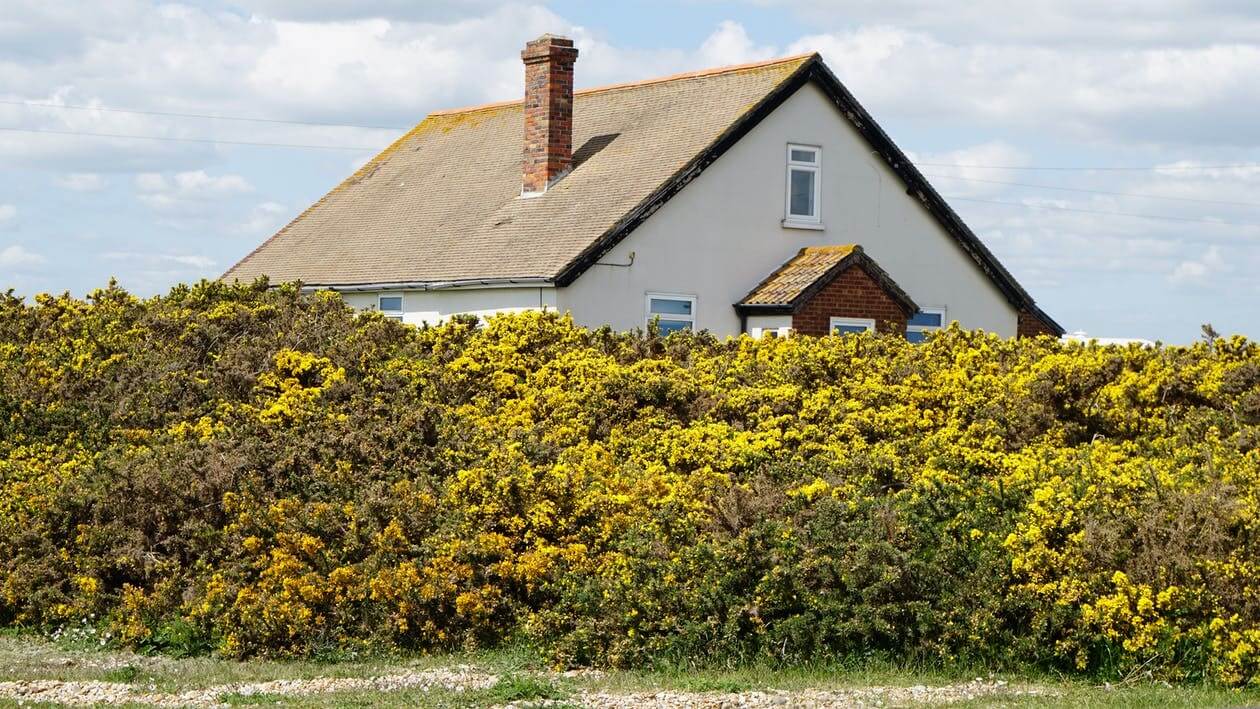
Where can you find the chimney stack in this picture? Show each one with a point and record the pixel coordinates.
(548, 112)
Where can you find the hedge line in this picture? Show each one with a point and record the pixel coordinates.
(260, 472)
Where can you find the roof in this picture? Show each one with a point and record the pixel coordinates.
(793, 284)
(441, 206)
(443, 202)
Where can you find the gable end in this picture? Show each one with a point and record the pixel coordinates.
(916, 185)
(689, 172)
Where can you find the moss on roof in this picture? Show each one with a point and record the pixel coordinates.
(442, 202)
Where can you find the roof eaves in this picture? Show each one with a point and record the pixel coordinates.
(529, 281)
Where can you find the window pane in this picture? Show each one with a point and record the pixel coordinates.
(391, 302)
(800, 155)
(926, 319)
(669, 306)
(848, 329)
(801, 203)
(667, 326)
(916, 336)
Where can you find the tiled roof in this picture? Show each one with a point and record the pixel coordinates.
(813, 267)
(792, 278)
(443, 202)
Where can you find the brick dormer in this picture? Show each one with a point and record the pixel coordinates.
(824, 284)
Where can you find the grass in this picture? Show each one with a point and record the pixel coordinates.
(518, 687)
(523, 679)
(27, 657)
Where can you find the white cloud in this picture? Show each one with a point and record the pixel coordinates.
(181, 262)
(265, 218)
(18, 255)
(7, 213)
(193, 182)
(390, 61)
(82, 182)
(959, 172)
(1040, 82)
(154, 272)
(428, 10)
(1198, 169)
(396, 67)
(1198, 270)
(730, 44)
(1056, 22)
(1191, 95)
(187, 190)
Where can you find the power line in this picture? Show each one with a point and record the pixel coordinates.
(33, 104)
(1092, 191)
(215, 141)
(210, 141)
(1162, 217)
(250, 119)
(1104, 168)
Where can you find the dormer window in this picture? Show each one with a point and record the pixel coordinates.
(804, 178)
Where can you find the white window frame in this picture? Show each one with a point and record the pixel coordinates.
(813, 221)
(941, 310)
(868, 323)
(759, 332)
(392, 314)
(648, 314)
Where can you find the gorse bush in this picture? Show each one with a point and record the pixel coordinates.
(260, 472)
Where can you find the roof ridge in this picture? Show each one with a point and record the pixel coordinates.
(832, 247)
(699, 73)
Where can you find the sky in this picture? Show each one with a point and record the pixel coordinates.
(1107, 152)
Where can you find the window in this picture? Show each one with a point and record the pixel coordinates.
(923, 322)
(391, 306)
(847, 326)
(676, 312)
(804, 174)
(762, 332)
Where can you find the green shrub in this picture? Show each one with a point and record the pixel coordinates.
(255, 471)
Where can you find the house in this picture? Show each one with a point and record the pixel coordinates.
(755, 198)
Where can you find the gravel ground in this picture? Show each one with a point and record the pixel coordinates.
(802, 699)
(463, 678)
(456, 679)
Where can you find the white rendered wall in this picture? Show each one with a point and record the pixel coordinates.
(436, 306)
(722, 234)
(758, 325)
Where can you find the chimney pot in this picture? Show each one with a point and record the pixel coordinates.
(548, 112)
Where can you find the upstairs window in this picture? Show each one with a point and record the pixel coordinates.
(849, 326)
(391, 306)
(923, 322)
(676, 312)
(804, 175)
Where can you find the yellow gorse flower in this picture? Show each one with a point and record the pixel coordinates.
(258, 471)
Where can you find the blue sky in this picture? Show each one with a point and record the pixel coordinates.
(984, 95)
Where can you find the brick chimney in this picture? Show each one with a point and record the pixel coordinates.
(548, 112)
